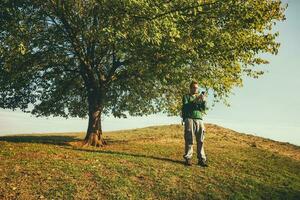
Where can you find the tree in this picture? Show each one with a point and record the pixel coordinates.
(91, 58)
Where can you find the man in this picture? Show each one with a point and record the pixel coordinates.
(193, 107)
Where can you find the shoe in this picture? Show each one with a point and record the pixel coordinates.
(202, 163)
(188, 162)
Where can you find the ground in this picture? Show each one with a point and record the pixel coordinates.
(147, 164)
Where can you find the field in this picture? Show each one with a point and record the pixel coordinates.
(147, 164)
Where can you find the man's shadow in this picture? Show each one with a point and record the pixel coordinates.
(64, 142)
(130, 154)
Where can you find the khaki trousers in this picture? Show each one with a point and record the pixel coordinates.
(194, 127)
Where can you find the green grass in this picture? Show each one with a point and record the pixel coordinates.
(147, 164)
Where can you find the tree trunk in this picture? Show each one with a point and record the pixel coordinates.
(96, 95)
(94, 132)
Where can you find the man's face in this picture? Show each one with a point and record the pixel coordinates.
(194, 88)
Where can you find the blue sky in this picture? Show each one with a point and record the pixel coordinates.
(267, 107)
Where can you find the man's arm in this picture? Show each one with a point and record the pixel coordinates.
(183, 108)
(201, 102)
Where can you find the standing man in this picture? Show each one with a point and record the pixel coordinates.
(193, 107)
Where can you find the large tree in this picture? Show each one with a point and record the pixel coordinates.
(91, 58)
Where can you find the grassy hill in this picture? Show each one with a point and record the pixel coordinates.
(147, 164)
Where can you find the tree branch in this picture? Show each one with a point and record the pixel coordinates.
(69, 32)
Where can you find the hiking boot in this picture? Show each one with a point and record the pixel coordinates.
(188, 162)
(202, 163)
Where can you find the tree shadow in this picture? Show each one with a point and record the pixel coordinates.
(131, 154)
(65, 140)
(54, 140)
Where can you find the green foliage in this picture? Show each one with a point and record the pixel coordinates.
(132, 56)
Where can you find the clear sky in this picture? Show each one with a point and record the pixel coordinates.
(267, 107)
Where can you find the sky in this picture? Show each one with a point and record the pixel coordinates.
(268, 107)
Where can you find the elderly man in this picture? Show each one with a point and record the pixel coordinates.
(193, 108)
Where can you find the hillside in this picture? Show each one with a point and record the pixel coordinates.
(147, 164)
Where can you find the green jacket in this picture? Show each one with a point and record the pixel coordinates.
(191, 108)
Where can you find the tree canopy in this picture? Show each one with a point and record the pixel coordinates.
(68, 57)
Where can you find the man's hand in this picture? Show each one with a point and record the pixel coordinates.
(201, 97)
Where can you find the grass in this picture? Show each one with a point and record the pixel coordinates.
(147, 164)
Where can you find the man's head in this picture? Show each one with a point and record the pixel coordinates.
(194, 87)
